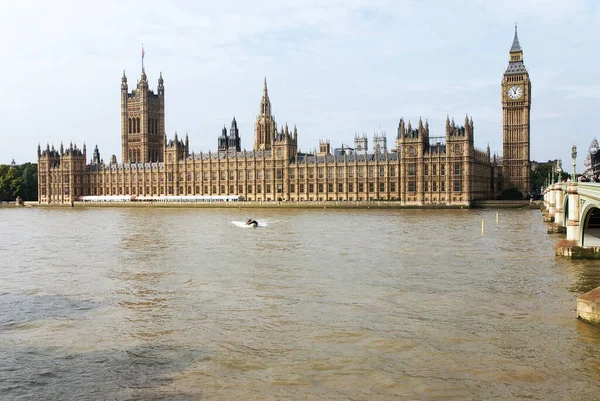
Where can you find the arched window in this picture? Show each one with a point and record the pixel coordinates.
(130, 127)
(138, 125)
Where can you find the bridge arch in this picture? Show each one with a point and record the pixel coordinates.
(590, 225)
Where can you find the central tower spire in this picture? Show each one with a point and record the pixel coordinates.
(265, 103)
(265, 128)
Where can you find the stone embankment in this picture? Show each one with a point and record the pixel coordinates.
(298, 205)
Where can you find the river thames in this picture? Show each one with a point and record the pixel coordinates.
(185, 304)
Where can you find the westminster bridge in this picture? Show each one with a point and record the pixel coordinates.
(573, 208)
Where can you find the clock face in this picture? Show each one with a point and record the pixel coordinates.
(515, 92)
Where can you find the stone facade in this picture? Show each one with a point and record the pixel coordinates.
(516, 106)
(421, 170)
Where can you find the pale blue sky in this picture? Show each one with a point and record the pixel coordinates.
(333, 68)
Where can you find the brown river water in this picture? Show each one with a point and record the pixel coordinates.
(187, 304)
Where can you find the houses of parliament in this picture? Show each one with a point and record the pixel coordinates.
(419, 169)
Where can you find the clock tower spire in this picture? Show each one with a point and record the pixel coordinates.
(516, 106)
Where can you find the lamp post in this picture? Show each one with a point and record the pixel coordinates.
(574, 156)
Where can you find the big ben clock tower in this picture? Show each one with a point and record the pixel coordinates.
(516, 105)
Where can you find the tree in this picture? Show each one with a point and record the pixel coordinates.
(511, 194)
(18, 181)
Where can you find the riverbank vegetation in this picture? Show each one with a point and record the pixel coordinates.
(20, 181)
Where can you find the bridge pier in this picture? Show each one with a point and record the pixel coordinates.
(550, 208)
(569, 247)
(557, 225)
(588, 306)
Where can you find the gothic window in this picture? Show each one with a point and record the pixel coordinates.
(292, 173)
(249, 188)
(340, 172)
(279, 174)
(240, 175)
(411, 150)
(231, 175)
(302, 188)
(412, 186)
(302, 173)
(426, 186)
(311, 172)
(371, 172)
(442, 169)
(361, 187)
(249, 175)
(259, 175)
(292, 188)
(361, 172)
(311, 188)
(329, 172)
(340, 187)
(350, 187)
(351, 172)
(426, 169)
(412, 169)
(268, 174)
(130, 128)
(259, 189)
(138, 125)
(393, 186)
(329, 187)
(371, 187)
(443, 186)
(320, 188)
(381, 187)
(382, 171)
(435, 169)
(457, 170)
(213, 175)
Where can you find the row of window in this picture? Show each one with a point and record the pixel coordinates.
(456, 169)
(433, 186)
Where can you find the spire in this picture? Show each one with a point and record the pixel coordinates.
(265, 103)
(516, 47)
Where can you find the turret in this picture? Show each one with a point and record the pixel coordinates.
(234, 137)
(223, 140)
(161, 86)
(124, 87)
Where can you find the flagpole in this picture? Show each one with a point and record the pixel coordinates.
(142, 57)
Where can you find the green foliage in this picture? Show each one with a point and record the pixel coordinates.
(18, 181)
(511, 194)
(540, 175)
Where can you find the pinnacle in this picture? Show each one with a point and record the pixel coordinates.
(515, 45)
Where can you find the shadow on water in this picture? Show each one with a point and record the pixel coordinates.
(585, 274)
(140, 373)
(18, 309)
